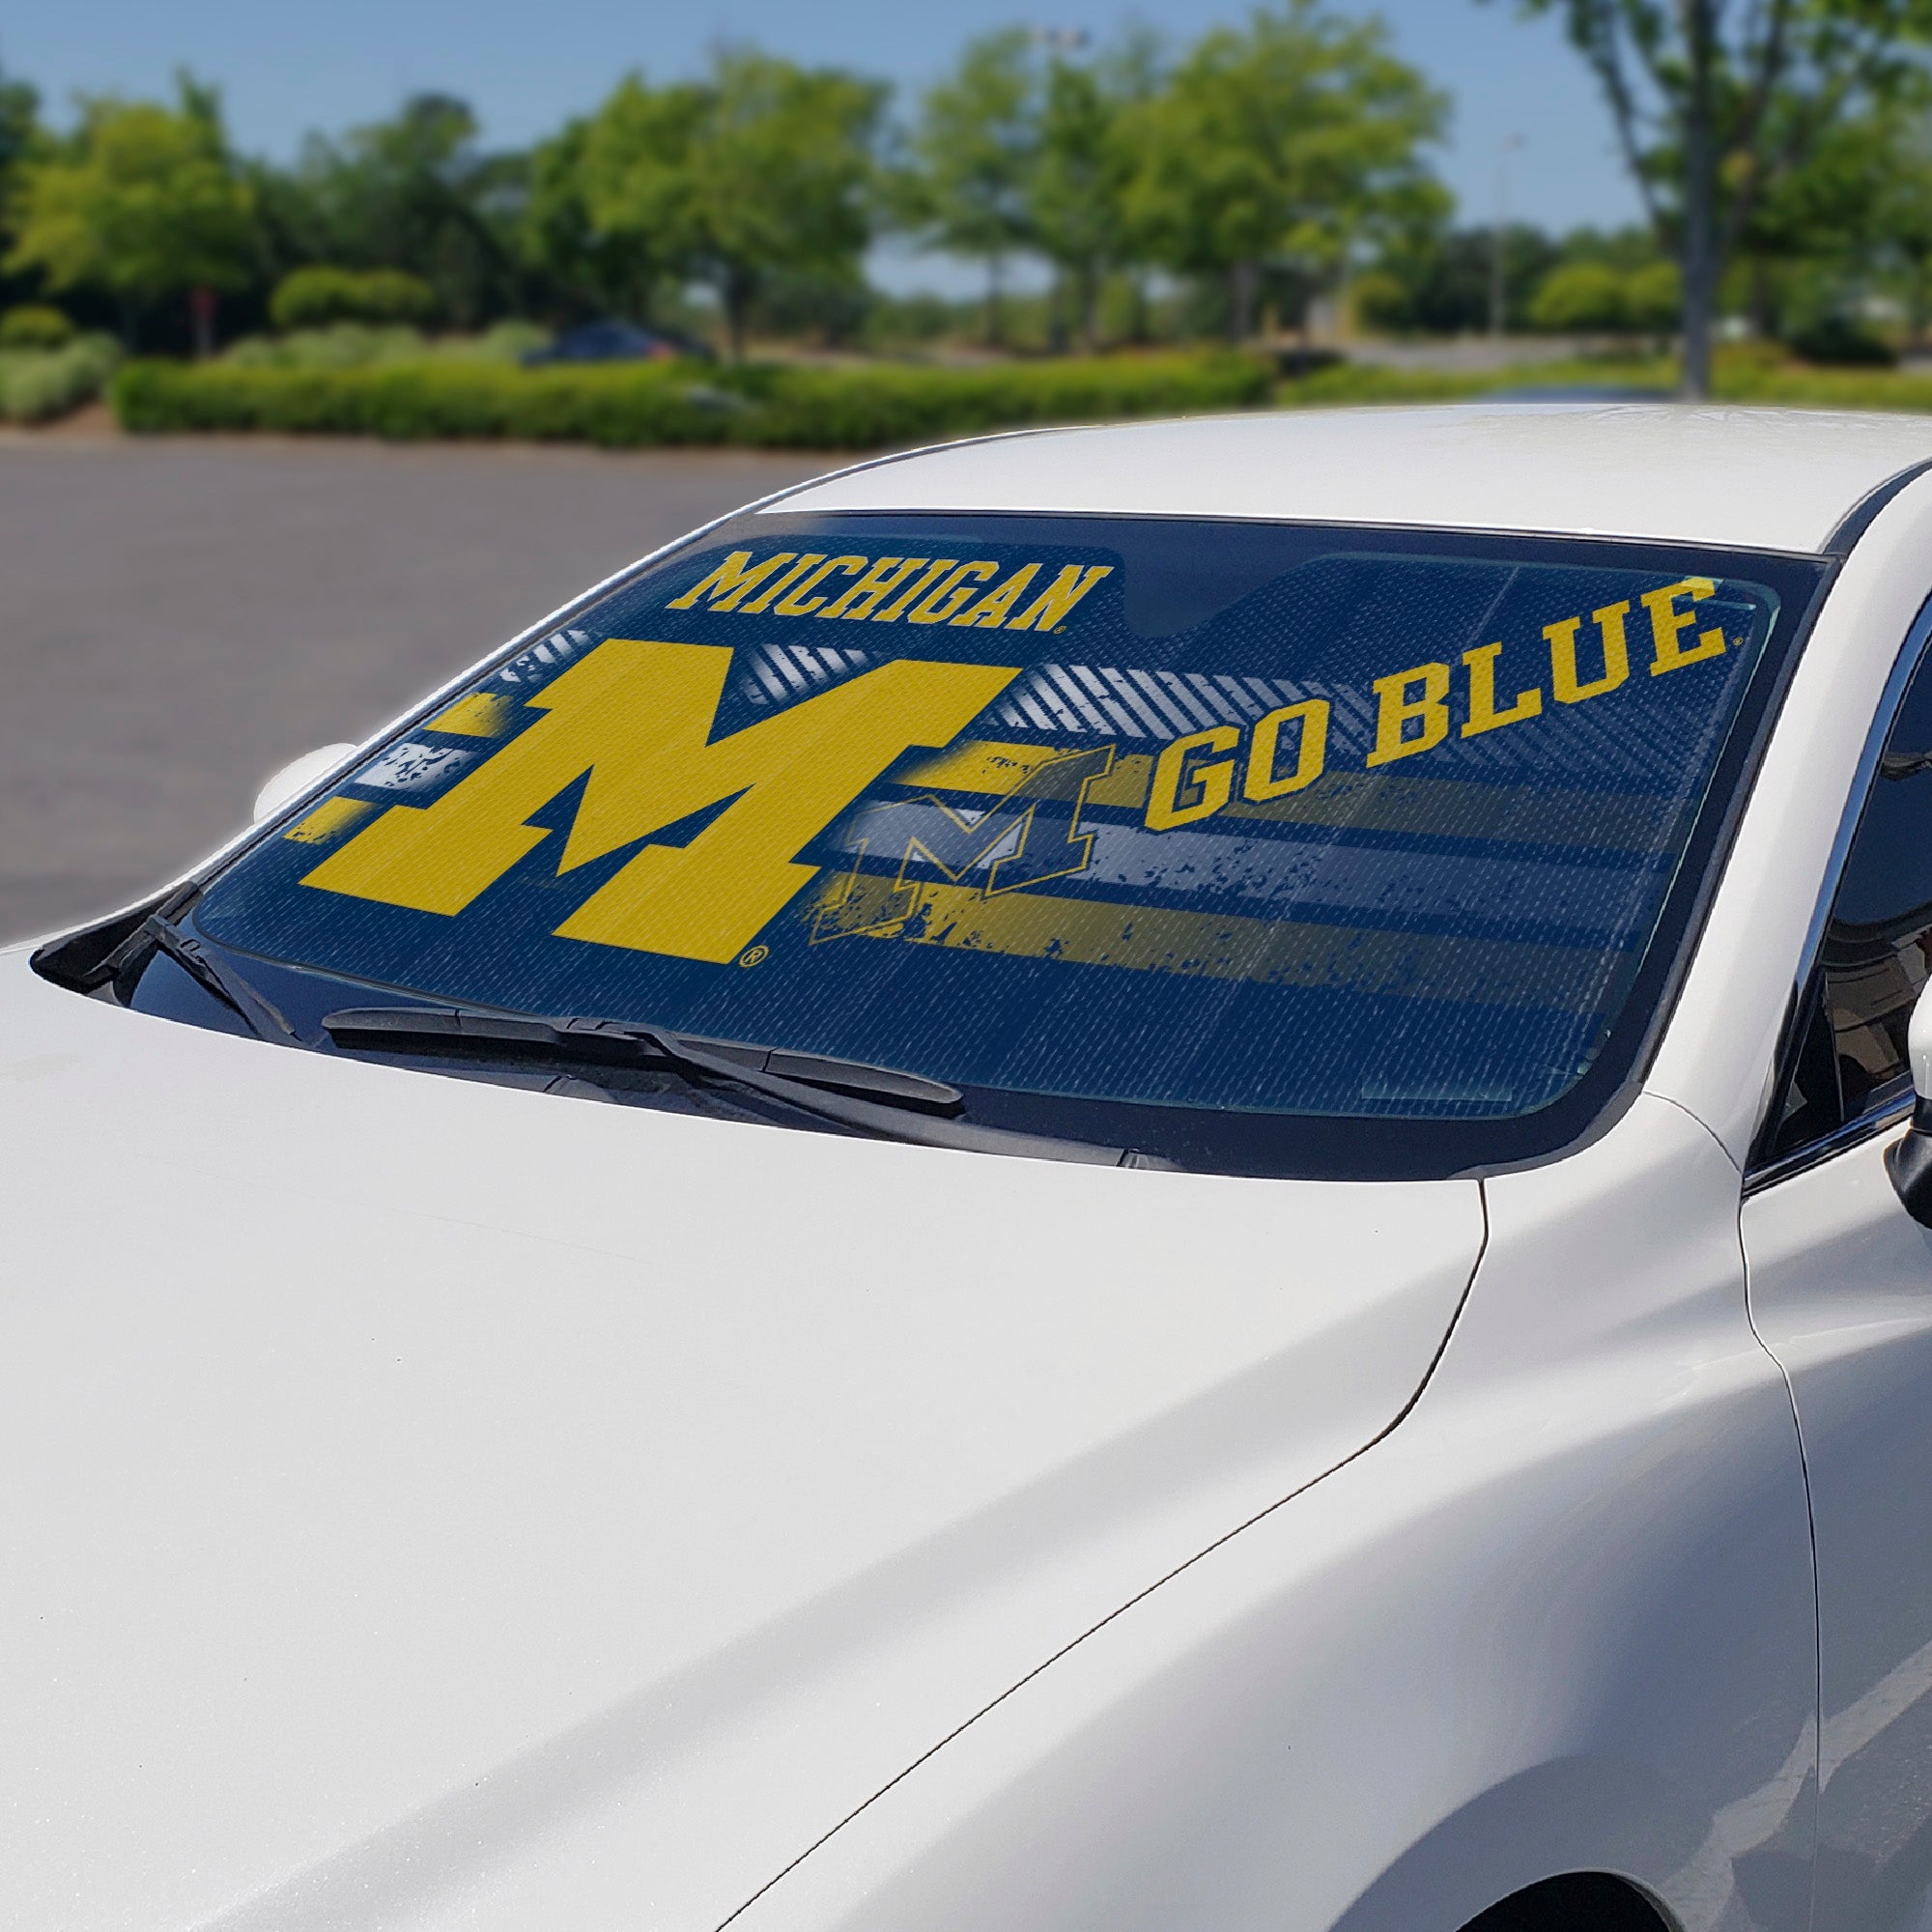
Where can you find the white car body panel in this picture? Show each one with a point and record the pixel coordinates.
(1564, 1609)
(445, 1484)
(1717, 1055)
(1841, 1292)
(1771, 479)
(463, 1508)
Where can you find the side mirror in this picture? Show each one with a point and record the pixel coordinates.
(295, 778)
(1909, 1161)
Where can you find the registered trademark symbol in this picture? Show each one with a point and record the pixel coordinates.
(757, 955)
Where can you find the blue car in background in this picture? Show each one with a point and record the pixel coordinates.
(617, 342)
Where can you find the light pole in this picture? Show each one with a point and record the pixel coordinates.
(1499, 235)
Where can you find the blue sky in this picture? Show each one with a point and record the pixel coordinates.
(284, 70)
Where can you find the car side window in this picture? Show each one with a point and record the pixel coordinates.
(1849, 1056)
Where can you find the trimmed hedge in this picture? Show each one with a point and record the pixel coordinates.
(316, 297)
(1750, 374)
(634, 405)
(34, 326)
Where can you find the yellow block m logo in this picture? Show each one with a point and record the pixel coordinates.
(637, 717)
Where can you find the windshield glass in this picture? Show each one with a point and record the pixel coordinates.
(1210, 822)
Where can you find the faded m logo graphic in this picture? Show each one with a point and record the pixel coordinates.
(637, 717)
(1031, 835)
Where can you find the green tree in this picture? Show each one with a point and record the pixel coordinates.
(761, 170)
(1717, 106)
(1282, 142)
(21, 137)
(1901, 215)
(973, 151)
(1855, 219)
(611, 208)
(1653, 297)
(1076, 190)
(1581, 296)
(780, 176)
(21, 133)
(1444, 277)
(142, 202)
(1077, 206)
(416, 192)
(1597, 296)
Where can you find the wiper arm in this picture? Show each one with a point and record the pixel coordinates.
(880, 1100)
(208, 971)
(616, 1043)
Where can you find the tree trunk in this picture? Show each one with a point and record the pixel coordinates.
(1241, 279)
(201, 311)
(1088, 288)
(1763, 323)
(737, 294)
(1700, 235)
(996, 328)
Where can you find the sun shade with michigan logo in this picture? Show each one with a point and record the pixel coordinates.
(1276, 823)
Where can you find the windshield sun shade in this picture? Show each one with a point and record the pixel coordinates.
(1273, 848)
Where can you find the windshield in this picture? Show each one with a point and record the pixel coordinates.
(1273, 848)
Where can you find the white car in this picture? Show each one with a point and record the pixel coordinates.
(1121, 1180)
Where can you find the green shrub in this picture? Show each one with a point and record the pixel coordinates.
(1381, 299)
(362, 345)
(1653, 297)
(34, 326)
(507, 341)
(341, 344)
(870, 407)
(631, 405)
(1355, 382)
(315, 298)
(1841, 341)
(1799, 388)
(1580, 296)
(39, 384)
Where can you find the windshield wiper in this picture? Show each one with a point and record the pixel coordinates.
(208, 971)
(879, 1100)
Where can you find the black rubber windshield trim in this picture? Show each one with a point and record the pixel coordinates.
(1857, 520)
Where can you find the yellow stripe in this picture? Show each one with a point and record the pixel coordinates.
(1360, 801)
(332, 817)
(480, 714)
(985, 767)
(1090, 932)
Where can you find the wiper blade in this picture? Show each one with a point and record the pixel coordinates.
(206, 968)
(880, 1100)
(617, 1043)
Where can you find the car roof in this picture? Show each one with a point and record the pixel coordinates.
(1773, 480)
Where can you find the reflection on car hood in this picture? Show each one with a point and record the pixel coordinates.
(433, 1503)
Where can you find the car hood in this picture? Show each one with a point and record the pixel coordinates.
(431, 1503)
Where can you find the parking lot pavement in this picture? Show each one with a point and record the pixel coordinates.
(178, 619)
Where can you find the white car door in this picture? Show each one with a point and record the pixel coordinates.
(1840, 1286)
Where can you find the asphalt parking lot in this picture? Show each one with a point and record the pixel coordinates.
(180, 618)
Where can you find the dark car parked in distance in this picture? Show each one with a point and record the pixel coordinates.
(617, 342)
